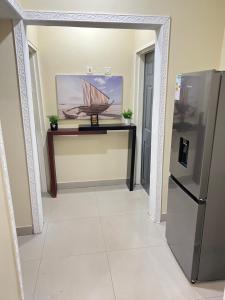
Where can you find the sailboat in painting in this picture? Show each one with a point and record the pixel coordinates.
(95, 102)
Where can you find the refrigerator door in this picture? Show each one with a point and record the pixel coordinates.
(212, 262)
(193, 128)
(184, 229)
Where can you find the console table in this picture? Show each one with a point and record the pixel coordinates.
(90, 130)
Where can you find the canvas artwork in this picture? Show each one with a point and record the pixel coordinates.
(79, 96)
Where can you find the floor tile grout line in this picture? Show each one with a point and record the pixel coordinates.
(127, 213)
(44, 240)
(35, 284)
(135, 248)
(105, 251)
(105, 244)
(213, 298)
(41, 258)
(74, 255)
(110, 272)
(95, 197)
(159, 231)
(72, 219)
(210, 298)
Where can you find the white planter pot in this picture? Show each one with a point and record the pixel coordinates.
(127, 121)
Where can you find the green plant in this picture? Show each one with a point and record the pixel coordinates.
(127, 114)
(53, 119)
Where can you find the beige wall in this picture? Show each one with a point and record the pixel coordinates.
(80, 159)
(32, 32)
(10, 116)
(196, 38)
(222, 58)
(69, 50)
(143, 38)
(9, 287)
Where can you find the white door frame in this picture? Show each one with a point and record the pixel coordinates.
(25, 90)
(42, 134)
(161, 24)
(138, 102)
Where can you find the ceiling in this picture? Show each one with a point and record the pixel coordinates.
(6, 11)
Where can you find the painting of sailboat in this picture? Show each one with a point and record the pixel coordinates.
(79, 96)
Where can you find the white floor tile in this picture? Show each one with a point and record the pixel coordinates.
(130, 231)
(48, 205)
(29, 272)
(31, 246)
(148, 274)
(74, 228)
(162, 228)
(217, 298)
(120, 202)
(69, 206)
(84, 277)
(209, 289)
(73, 237)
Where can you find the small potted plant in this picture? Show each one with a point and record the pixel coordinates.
(53, 120)
(127, 116)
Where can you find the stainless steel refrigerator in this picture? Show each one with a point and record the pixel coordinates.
(195, 227)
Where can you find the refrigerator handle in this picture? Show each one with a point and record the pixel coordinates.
(202, 200)
(183, 152)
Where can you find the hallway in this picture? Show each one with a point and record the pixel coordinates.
(102, 245)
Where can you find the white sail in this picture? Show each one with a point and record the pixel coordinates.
(92, 95)
(86, 93)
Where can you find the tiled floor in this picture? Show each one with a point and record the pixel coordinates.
(102, 245)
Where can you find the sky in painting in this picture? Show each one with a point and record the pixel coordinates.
(69, 87)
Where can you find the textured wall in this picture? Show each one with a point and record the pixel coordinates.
(10, 115)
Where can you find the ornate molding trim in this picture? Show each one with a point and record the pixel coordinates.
(118, 20)
(162, 26)
(25, 88)
(158, 121)
(3, 164)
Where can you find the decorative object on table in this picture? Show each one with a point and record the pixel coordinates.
(53, 119)
(94, 119)
(127, 116)
(80, 96)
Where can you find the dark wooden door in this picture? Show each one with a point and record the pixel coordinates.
(147, 120)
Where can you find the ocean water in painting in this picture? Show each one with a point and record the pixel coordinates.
(80, 95)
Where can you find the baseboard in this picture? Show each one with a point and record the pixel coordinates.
(163, 217)
(86, 184)
(25, 230)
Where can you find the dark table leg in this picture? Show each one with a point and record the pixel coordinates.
(52, 172)
(131, 158)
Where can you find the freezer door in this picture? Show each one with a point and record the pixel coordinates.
(184, 229)
(193, 128)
